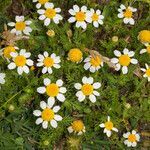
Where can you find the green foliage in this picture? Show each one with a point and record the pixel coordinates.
(17, 127)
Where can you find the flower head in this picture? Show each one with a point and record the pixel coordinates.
(77, 126)
(80, 16)
(48, 114)
(53, 90)
(87, 89)
(123, 60)
(75, 55)
(2, 78)
(21, 61)
(127, 14)
(93, 63)
(132, 138)
(147, 49)
(50, 13)
(108, 127)
(144, 36)
(48, 62)
(147, 72)
(21, 26)
(40, 3)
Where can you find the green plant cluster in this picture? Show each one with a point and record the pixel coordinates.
(125, 98)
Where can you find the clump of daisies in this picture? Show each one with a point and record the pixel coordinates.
(47, 62)
(124, 60)
(77, 127)
(21, 61)
(53, 90)
(2, 78)
(47, 115)
(20, 26)
(127, 14)
(50, 14)
(108, 127)
(87, 89)
(146, 71)
(131, 138)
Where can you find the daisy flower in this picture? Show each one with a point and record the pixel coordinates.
(123, 60)
(77, 126)
(75, 55)
(2, 78)
(147, 49)
(93, 63)
(47, 115)
(144, 36)
(50, 13)
(7, 50)
(21, 26)
(147, 72)
(21, 61)
(108, 127)
(132, 138)
(48, 62)
(96, 17)
(80, 16)
(40, 3)
(127, 14)
(53, 90)
(87, 89)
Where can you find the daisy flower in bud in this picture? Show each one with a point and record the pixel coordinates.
(48, 62)
(7, 50)
(77, 126)
(2, 78)
(93, 63)
(47, 115)
(144, 36)
(75, 55)
(123, 60)
(80, 16)
(21, 26)
(96, 17)
(53, 90)
(131, 138)
(108, 127)
(50, 14)
(147, 72)
(127, 14)
(88, 89)
(21, 61)
(40, 3)
(147, 49)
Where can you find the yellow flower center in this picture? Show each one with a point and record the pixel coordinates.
(132, 138)
(95, 17)
(77, 125)
(109, 125)
(148, 72)
(47, 114)
(87, 89)
(144, 36)
(80, 16)
(8, 50)
(148, 49)
(50, 13)
(20, 61)
(20, 26)
(128, 13)
(75, 55)
(96, 61)
(48, 62)
(124, 60)
(43, 1)
(52, 90)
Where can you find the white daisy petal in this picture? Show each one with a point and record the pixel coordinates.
(51, 101)
(62, 90)
(76, 8)
(47, 21)
(42, 104)
(47, 81)
(57, 117)
(59, 82)
(108, 133)
(45, 124)
(39, 121)
(97, 85)
(37, 113)
(102, 125)
(114, 60)
(56, 109)
(78, 86)
(134, 61)
(44, 70)
(53, 123)
(20, 70)
(96, 93)
(41, 90)
(70, 129)
(92, 98)
(61, 97)
(142, 51)
(12, 66)
(71, 19)
(124, 69)
(26, 69)
(117, 53)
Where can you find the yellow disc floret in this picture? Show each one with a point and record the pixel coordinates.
(52, 90)
(109, 125)
(50, 13)
(128, 13)
(80, 16)
(20, 26)
(132, 138)
(87, 89)
(47, 114)
(48, 62)
(77, 125)
(124, 60)
(148, 72)
(95, 17)
(43, 1)
(144, 36)
(75, 55)
(96, 61)
(20, 61)
(7, 50)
